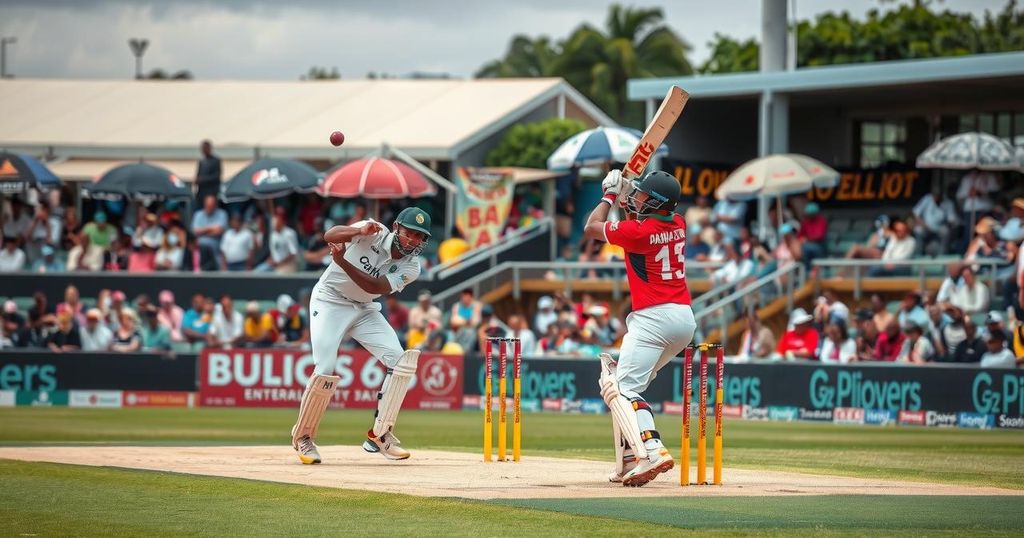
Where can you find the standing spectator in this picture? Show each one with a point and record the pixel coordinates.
(899, 247)
(43, 231)
(237, 245)
(996, 353)
(1013, 230)
(880, 314)
(757, 341)
(917, 349)
(518, 328)
(813, 232)
(155, 336)
(12, 258)
(170, 255)
(424, 311)
(867, 335)
(890, 343)
(95, 335)
(801, 342)
(728, 217)
(195, 322)
(208, 172)
(911, 310)
(838, 347)
(126, 337)
(208, 225)
(972, 347)
(48, 262)
(284, 247)
(66, 338)
(468, 308)
(171, 315)
(73, 304)
(227, 327)
(936, 219)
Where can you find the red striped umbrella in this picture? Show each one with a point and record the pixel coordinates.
(376, 178)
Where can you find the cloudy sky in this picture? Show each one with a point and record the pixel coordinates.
(281, 39)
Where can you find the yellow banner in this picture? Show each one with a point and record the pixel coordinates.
(483, 204)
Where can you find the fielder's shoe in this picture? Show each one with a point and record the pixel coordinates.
(649, 468)
(307, 451)
(627, 466)
(387, 445)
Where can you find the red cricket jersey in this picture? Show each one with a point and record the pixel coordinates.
(655, 261)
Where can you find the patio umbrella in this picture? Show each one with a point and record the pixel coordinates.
(376, 178)
(968, 151)
(270, 178)
(20, 172)
(598, 145)
(140, 181)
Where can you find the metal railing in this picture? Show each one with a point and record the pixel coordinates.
(917, 266)
(471, 259)
(781, 282)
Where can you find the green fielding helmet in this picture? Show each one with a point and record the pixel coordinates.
(414, 218)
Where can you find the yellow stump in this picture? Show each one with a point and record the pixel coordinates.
(684, 463)
(517, 420)
(702, 417)
(718, 437)
(488, 392)
(502, 405)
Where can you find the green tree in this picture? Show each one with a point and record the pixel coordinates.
(530, 144)
(160, 74)
(321, 73)
(731, 56)
(525, 57)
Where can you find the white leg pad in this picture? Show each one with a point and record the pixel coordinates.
(319, 391)
(392, 392)
(623, 414)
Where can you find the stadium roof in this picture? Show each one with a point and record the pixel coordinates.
(876, 74)
(428, 119)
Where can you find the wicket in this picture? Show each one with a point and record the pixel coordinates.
(517, 412)
(702, 413)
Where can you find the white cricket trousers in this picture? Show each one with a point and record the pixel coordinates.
(331, 322)
(653, 336)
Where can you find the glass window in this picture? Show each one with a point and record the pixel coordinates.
(986, 124)
(871, 133)
(882, 142)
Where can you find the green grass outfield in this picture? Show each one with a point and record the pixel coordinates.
(49, 499)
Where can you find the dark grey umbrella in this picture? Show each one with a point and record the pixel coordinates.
(139, 181)
(19, 172)
(271, 178)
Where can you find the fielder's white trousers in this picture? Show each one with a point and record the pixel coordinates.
(653, 336)
(331, 322)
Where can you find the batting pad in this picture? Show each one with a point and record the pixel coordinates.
(392, 392)
(623, 414)
(315, 399)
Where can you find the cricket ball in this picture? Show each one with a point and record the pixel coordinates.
(337, 138)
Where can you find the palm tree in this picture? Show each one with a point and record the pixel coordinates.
(526, 57)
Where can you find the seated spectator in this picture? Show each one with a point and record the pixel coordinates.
(970, 295)
(899, 247)
(284, 247)
(292, 327)
(12, 258)
(147, 239)
(727, 216)
(950, 334)
(460, 333)
(467, 308)
(155, 336)
(237, 245)
(867, 335)
(830, 309)
(789, 249)
(717, 252)
(1013, 230)
(14, 331)
(48, 261)
(118, 256)
(40, 308)
(890, 343)
(518, 328)
(43, 231)
(397, 315)
(917, 349)
(170, 255)
(757, 341)
(490, 326)
(813, 231)
(118, 302)
(196, 259)
(318, 253)
(996, 354)
(171, 315)
(226, 329)
(696, 248)
(800, 342)
(70, 229)
(92, 244)
(72, 304)
(911, 310)
(602, 328)
(949, 283)
(936, 218)
(736, 267)
(16, 222)
(697, 216)
(985, 243)
(258, 328)
(195, 322)
(837, 347)
(972, 347)
(545, 315)
(994, 323)
(875, 245)
(66, 338)
(208, 225)
(566, 340)
(424, 311)
(94, 335)
(881, 315)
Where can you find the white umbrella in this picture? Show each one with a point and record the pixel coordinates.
(967, 151)
(776, 175)
(599, 145)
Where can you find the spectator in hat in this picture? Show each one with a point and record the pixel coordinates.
(171, 253)
(994, 323)
(900, 246)
(996, 354)
(545, 315)
(890, 343)
(867, 335)
(94, 242)
(813, 232)
(284, 247)
(171, 315)
(936, 218)
(208, 225)
(208, 172)
(12, 258)
(467, 308)
(1013, 230)
(258, 330)
(238, 245)
(195, 322)
(986, 244)
(66, 338)
(95, 335)
(424, 311)
(917, 348)
(800, 342)
(289, 323)
(228, 325)
(48, 261)
(155, 336)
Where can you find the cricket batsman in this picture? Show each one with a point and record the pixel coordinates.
(368, 261)
(661, 323)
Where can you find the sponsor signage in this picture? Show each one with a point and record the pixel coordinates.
(277, 378)
(732, 411)
(824, 415)
(911, 418)
(783, 413)
(7, 398)
(755, 413)
(975, 420)
(596, 407)
(848, 415)
(42, 398)
(935, 418)
(572, 406)
(43, 371)
(137, 398)
(95, 398)
(881, 417)
(1004, 421)
(551, 404)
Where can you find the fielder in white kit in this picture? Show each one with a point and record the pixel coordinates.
(369, 261)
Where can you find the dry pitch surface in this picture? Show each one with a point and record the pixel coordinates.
(433, 473)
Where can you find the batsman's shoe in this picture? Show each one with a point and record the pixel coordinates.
(307, 451)
(387, 445)
(627, 466)
(649, 468)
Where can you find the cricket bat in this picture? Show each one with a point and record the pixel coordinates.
(662, 122)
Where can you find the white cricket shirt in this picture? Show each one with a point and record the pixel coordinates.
(372, 255)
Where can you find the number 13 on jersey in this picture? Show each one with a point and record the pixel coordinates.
(672, 261)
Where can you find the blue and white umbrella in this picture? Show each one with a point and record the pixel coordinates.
(19, 172)
(599, 145)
